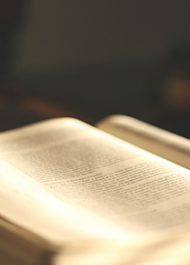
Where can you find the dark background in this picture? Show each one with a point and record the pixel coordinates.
(89, 59)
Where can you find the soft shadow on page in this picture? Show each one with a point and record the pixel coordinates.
(115, 181)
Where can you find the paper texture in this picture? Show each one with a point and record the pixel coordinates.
(87, 169)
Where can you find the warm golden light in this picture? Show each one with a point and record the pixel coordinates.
(36, 209)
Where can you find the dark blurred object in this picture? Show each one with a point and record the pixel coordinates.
(174, 102)
(177, 84)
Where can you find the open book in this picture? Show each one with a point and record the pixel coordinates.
(71, 193)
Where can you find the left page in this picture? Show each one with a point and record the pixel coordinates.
(26, 195)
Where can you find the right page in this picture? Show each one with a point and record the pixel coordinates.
(158, 141)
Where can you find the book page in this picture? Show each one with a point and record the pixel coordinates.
(127, 187)
(158, 141)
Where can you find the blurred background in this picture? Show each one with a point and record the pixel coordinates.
(90, 59)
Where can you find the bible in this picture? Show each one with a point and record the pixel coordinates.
(71, 193)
